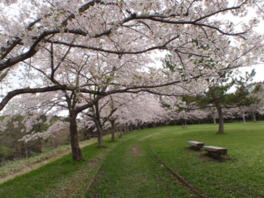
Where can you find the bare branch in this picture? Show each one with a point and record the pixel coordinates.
(14, 93)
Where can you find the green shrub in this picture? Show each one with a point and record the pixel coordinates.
(6, 153)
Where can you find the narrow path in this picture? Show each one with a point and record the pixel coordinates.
(125, 168)
(131, 170)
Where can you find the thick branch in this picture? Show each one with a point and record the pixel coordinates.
(14, 93)
(83, 8)
(33, 49)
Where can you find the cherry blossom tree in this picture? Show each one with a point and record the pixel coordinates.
(217, 95)
(85, 82)
(258, 104)
(125, 111)
(103, 114)
(142, 109)
(80, 48)
(126, 27)
(102, 21)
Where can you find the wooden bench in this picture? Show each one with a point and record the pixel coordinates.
(196, 145)
(215, 151)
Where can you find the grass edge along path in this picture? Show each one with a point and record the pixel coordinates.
(131, 171)
(25, 165)
(69, 182)
(43, 182)
(97, 173)
(178, 176)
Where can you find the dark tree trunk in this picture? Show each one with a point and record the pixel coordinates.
(185, 123)
(99, 133)
(76, 151)
(100, 139)
(113, 135)
(120, 134)
(221, 120)
(254, 116)
(98, 125)
(244, 117)
(120, 129)
(124, 129)
(113, 129)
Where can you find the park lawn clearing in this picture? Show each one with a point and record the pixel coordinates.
(136, 166)
(239, 174)
(131, 169)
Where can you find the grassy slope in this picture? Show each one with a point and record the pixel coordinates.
(60, 178)
(12, 169)
(131, 170)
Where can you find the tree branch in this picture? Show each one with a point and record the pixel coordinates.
(14, 93)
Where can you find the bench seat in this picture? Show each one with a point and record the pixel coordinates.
(196, 145)
(215, 150)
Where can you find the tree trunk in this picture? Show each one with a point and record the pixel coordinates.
(185, 123)
(120, 133)
(99, 134)
(26, 152)
(182, 123)
(98, 125)
(112, 135)
(221, 120)
(113, 129)
(76, 151)
(124, 129)
(254, 116)
(244, 117)
(100, 139)
(214, 120)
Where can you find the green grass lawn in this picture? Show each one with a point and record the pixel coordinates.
(129, 167)
(130, 170)
(240, 174)
(61, 178)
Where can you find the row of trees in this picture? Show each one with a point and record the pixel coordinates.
(218, 97)
(25, 134)
(76, 56)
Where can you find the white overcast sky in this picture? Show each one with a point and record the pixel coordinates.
(260, 29)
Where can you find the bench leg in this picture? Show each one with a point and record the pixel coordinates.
(214, 155)
(195, 148)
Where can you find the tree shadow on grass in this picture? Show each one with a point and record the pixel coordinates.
(210, 158)
(190, 149)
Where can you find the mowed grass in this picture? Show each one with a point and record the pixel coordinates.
(61, 178)
(240, 174)
(131, 170)
(130, 167)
